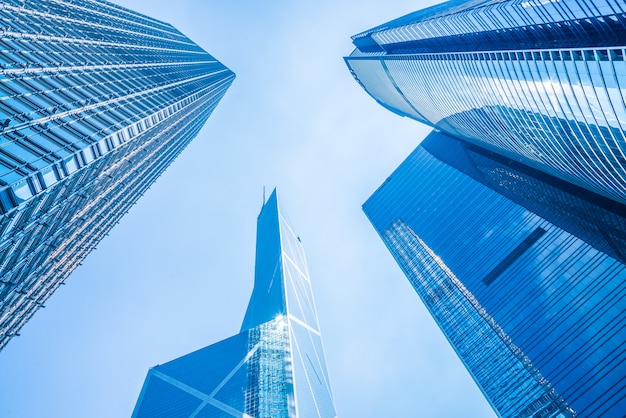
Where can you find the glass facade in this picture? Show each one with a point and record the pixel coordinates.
(95, 102)
(533, 311)
(275, 366)
(598, 221)
(541, 82)
(246, 375)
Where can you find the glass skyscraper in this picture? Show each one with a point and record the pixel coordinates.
(275, 366)
(535, 313)
(95, 102)
(598, 221)
(540, 82)
(509, 220)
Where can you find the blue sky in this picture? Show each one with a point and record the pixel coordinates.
(176, 274)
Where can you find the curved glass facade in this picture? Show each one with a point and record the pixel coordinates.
(556, 106)
(533, 311)
(95, 102)
(275, 367)
(461, 25)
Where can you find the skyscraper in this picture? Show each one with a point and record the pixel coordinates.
(275, 366)
(598, 221)
(540, 82)
(534, 312)
(95, 102)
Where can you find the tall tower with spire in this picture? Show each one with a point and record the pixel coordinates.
(275, 366)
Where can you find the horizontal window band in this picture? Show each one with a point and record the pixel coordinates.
(514, 255)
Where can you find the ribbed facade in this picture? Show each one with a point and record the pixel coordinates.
(95, 102)
(275, 367)
(598, 221)
(505, 375)
(534, 312)
(540, 82)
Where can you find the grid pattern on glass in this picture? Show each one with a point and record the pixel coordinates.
(505, 375)
(242, 376)
(313, 395)
(561, 111)
(95, 102)
(598, 221)
(560, 302)
(283, 287)
(280, 370)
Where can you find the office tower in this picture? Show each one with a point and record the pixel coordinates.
(534, 312)
(540, 82)
(598, 221)
(95, 102)
(275, 366)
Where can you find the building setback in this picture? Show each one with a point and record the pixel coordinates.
(541, 82)
(95, 102)
(535, 313)
(510, 219)
(275, 367)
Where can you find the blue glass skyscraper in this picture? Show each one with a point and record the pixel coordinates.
(598, 221)
(534, 312)
(275, 366)
(540, 82)
(95, 102)
(510, 219)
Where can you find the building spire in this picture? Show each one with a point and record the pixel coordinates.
(274, 367)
